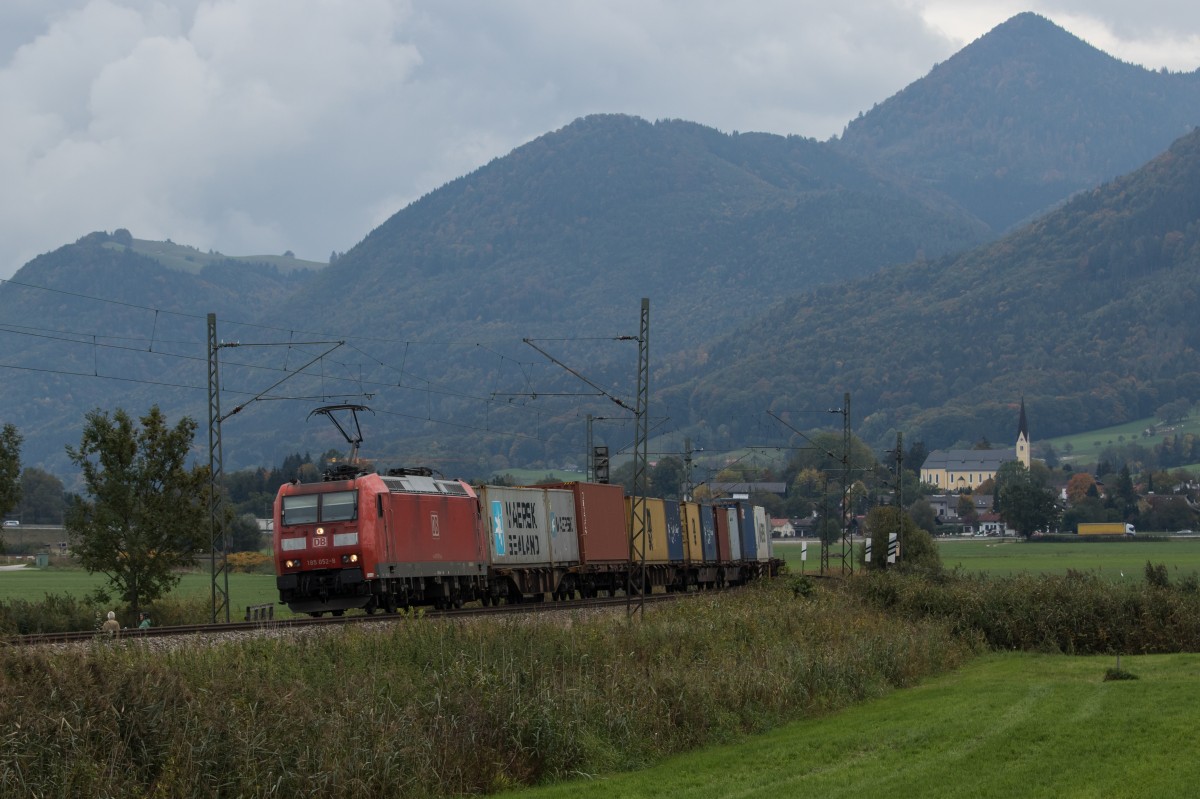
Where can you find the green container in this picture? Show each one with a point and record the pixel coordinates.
(42, 559)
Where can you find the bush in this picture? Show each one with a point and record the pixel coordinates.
(53, 614)
(1158, 575)
(252, 562)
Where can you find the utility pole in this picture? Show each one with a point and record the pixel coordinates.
(219, 538)
(847, 544)
(821, 527)
(687, 470)
(591, 453)
(637, 516)
(216, 511)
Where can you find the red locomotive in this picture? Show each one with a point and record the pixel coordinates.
(365, 540)
(407, 538)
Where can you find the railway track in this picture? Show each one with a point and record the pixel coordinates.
(304, 622)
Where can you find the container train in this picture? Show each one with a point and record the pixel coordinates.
(410, 538)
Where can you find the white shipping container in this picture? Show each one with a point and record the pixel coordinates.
(564, 526)
(518, 525)
(762, 532)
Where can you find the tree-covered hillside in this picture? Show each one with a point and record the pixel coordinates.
(1023, 117)
(575, 227)
(1089, 313)
(98, 324)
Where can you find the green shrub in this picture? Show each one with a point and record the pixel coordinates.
(1158, 575)
(54, 613)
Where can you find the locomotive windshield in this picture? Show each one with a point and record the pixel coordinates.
(300, 510)
(339, 506)
(336, 506)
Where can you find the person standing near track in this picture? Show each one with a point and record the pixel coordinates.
(111, 627)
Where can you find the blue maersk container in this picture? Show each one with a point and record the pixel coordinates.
(674, 531)
(708, 533)
(745, 512)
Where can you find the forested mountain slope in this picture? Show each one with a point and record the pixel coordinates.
(1023, 117)
(66, 352)
(575, 227)
(1089, 313)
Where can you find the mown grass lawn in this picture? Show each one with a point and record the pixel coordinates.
(33, 584)
(1006, 725)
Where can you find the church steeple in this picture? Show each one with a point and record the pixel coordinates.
(1023, 437)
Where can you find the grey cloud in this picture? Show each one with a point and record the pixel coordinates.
(264, 125)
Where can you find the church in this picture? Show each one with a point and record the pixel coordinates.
(966, 469)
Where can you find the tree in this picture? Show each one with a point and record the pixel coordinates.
(916, 456)
(145, 512)
(666, 477)
(1026, 503)
(966, 509)
(10, 470)
(1050, 456)
(244, 534)
(1126, 497)
(42, 497)
(1080, 487)
(1174, 411)
(923, 515)
(917, 549)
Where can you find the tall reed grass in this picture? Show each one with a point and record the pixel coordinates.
(1076, 613)
(431, 708)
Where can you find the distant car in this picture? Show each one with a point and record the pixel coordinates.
(1183, 532)
(11, 523)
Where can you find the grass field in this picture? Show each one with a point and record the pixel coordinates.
(1007, 725)
(1116, 560)
(33, 584)
(1086, 447)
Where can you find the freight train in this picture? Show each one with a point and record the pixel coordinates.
(408, 538)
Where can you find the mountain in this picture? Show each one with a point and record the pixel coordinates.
(1088, 313)
(484, 321)
(576, 226)
(117, 321)
(561, 238)
(1024, 117)
(564, 236)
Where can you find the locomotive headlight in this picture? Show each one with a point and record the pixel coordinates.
(350, 558)
(291, 564)
(320, 531)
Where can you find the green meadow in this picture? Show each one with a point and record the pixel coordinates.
(1110, 560)
(32, 584)
(1088, 446)
(1005, 725)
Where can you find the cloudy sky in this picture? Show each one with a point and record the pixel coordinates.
(258, 126)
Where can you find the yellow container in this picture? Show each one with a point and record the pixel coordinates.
(689, 513)
(656, 532)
